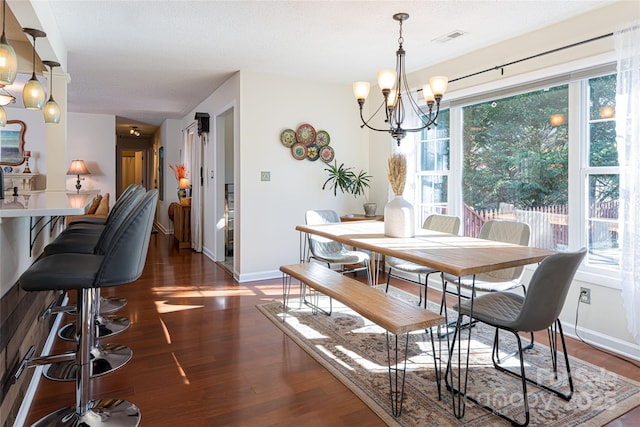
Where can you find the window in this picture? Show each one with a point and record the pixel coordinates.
(432, 180)
(542, 155)
(515, 164)
(600, 173)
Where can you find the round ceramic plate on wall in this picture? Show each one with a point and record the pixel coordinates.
(299, 151)
(306, 134)
(322, 138)
(313, 152)
(288, 137)
(326, 154)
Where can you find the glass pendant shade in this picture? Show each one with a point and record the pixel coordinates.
(438, 84)
(3, 117)
(361, 90)
(33, 94)
(51, 112)
(8, 63)
(386, 79)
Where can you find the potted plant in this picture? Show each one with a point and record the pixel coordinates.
(347, 181)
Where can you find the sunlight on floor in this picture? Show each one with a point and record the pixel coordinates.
(166, 307)
(199, 292)
(185, 379)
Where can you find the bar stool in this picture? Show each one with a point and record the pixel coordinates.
(107, 357)
(91, 225)
(119, 262)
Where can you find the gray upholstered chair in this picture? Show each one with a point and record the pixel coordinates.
(119, 259)
(499, 280)
(443, 223)
(536, 311)
(333, 253)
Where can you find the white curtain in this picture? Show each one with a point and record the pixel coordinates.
(194, 154)
(197, 191)
(627, 44)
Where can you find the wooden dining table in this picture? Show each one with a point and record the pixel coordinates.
(457, 255)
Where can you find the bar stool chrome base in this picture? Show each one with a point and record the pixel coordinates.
(108, 325)
(105, 412)
(104, 359)
(111, 304)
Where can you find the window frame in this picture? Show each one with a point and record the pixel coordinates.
(579, 170)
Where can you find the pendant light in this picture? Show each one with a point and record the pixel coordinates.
(33, 92)
(8, 59)
(51, 109)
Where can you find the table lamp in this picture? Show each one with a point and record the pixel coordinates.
(78, 168)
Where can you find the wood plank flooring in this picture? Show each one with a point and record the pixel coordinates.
(205, 356)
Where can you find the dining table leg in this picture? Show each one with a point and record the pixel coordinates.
(457, 384)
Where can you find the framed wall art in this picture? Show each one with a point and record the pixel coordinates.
(12, 143)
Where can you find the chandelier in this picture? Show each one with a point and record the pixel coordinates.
(392, 84)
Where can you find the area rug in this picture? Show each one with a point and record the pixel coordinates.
(354, 350)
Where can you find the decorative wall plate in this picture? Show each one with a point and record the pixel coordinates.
(288, 137)
(326, 154)
(322, 138)
(306, 134)
(299, 151)
(313, 152)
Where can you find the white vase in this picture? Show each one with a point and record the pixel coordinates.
(398, 218)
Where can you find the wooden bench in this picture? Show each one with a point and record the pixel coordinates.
(394, 315)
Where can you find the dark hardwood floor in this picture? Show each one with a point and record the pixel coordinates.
(205, 356)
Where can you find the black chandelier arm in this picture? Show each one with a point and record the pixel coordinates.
(365, 123)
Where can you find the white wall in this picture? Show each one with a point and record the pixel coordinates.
(171, 140)
(269, 211)
(92, 138)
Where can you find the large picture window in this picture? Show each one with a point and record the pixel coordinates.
(545, 156)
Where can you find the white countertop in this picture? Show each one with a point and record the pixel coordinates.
(45, 204)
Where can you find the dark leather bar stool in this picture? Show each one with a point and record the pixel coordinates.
(121, 260)
(87, 242)
(106, 357)
(94, 225)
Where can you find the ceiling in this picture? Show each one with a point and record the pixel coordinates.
(147, 61)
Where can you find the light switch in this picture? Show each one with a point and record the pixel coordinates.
(265, 176)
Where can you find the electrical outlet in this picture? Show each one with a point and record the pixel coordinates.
(585, 295)
(265, 176)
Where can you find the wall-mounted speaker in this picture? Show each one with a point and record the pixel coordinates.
(203, 122)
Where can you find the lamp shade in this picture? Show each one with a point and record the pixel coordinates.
(184, 183)
(361, 90)
(33, 94)
(8, 62)
(386, 79)
(51, 112)
(78, 167)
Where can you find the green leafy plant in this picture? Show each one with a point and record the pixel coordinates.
(346, 180)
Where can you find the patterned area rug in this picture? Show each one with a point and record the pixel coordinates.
(354, 350)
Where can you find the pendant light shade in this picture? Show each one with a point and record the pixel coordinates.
(51, 109)
(3, 117)
(33, 92)
(8, 59)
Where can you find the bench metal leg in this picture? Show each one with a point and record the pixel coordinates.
(396, 374)
(286, 289)
(315, 307)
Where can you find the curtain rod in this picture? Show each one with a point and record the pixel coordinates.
(501, 67)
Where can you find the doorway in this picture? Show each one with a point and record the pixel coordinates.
(134, 164)
(227, 239)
